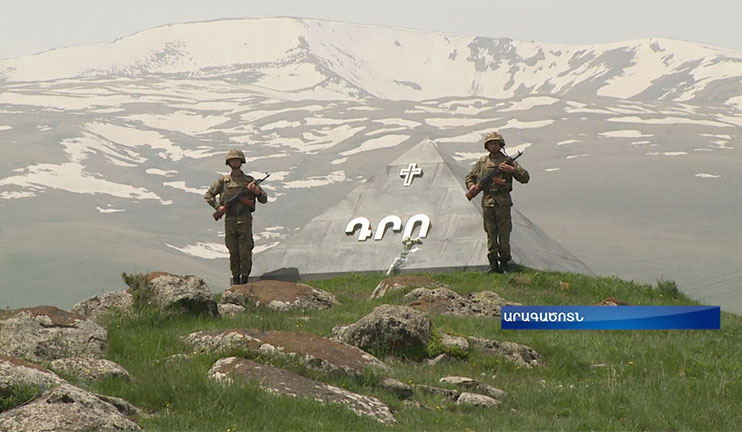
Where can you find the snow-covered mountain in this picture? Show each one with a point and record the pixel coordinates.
(311, 57)
(633, 147)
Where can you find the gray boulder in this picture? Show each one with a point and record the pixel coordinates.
(47, 333)
(100, 305)
(288, 383)
(89, 369)
(387, 327)
(189, 293)
(66, 408)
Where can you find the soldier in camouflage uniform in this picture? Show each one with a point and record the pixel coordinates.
(238, 219)
(496, 201)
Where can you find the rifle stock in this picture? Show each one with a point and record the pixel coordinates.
(239, 197)
(470, 194)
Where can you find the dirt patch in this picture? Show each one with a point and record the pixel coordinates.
(612, 301)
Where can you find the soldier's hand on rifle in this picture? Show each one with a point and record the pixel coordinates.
(221, 209)
(252, 187)
(499, 181)
(472, 187)
(506, 168)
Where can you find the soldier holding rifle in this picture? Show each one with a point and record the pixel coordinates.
(237, 195)
(493, 173)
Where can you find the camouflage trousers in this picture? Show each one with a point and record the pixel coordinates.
(238, 238)
(498, 225)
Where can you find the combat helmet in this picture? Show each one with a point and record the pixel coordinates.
(494, 136)
(235, 154)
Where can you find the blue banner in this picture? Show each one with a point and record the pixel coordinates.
(611, 318)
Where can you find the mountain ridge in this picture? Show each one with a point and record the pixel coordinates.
(359, 61)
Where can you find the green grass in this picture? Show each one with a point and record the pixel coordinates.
(646, 380)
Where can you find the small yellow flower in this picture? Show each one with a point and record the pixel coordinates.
(631, 363)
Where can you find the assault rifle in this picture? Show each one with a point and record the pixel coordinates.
(238, 198)
(488, 178)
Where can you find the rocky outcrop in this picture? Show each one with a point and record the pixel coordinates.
(67, 408)
(404, 283)
(47, 333)
(14, 371)
(89, 369)
(517, 353)
(472, 385)
(477, 400)
(230, 309)
(387, 328)
(100, 305)
(446, 301)
(402, 390)
(288, 383)
(181, 293)
(279, 295)
(316, 351)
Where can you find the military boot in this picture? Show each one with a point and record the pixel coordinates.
(493, 268)
(235, 280)
(244, 278)
(504, 266)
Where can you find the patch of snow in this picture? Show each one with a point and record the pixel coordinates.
(624, 134)
(204, 250)
(71, 177)
(181, 185)
(109, 210)
(333, 177)
(377, 143)
(530, 102)
(156, 171)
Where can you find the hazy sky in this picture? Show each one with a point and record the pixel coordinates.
(31, 26)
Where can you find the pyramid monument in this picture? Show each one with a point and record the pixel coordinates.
(419, 195)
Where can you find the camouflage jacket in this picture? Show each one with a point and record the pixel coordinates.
(494, 194)
(228, 186)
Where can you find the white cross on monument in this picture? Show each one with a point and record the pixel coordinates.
(409, 173)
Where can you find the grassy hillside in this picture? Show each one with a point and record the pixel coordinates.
(596, 380)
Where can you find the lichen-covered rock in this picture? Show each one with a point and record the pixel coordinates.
(448, 302)
(288, 383)
(14, 371)
(477, 400)
(189, 293)
(452, 343)
(230, 309)
(279, 295)
(387, 327)
(47, 333)
(403, 283)
(402, 390)
(317, 352)
(67, 408)
(89, 369)
(520, 354)
(100, 305)
(473, 385)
